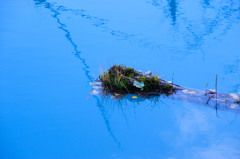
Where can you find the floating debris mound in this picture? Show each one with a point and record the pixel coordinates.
(120, 81)
(123, 79)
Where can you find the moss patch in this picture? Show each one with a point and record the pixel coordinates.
(120, 79)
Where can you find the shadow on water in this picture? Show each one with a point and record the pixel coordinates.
(77, 54)
(225, 16)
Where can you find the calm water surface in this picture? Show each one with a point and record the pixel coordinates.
(51, 50)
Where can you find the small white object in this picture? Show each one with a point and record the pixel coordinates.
(98, 83)
(189, 92)
(138, 84)
(97, 87)
(148, 73)
(234, 96)
(233, 106)
(94, 92)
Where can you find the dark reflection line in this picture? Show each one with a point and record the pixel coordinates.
(173, 10)
(211, 25)
(216, 83)
(225, 13)
(63, 27)
(77, 54)
(102, 23)
(106, 121)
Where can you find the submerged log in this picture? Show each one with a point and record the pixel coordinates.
(119, 81)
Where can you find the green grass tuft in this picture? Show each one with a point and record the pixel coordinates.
(120, 79)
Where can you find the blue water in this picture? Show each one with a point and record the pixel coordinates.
(51, 50)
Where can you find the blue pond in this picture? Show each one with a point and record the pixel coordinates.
(51, 50)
